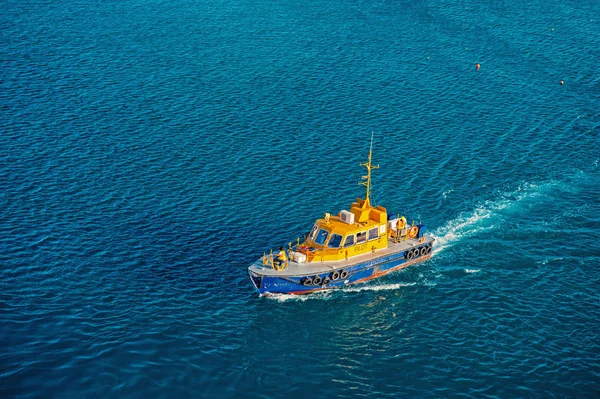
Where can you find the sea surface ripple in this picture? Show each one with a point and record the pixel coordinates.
(150, 151)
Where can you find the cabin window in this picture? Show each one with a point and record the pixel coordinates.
(321, 236)
(349, 241)
(373, 233)
(335, 241)
(313, 232)
(361, 237)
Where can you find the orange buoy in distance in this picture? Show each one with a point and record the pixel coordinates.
(477, 66)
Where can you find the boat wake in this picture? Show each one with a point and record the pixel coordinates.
(487, 216)
(465, 225)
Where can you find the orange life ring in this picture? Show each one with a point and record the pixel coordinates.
(412, 233)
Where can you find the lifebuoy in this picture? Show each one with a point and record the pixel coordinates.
(343, 274)
(423, 251)
(409, 255)
(335, 275)
(307, 281)
(412, 233)
(429, 249)
(325, 281)
(316, 280)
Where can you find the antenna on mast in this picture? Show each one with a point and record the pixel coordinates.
(367, 179)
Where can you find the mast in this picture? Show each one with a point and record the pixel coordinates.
(367, 179)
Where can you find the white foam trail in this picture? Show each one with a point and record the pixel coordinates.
(290, 297)
(464, 225)
(328, 293)
(382, 287)
(486, 216)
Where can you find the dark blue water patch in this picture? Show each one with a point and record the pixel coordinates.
(150, 152)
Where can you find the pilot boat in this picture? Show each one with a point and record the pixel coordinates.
(351, 247)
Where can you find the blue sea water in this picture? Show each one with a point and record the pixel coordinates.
(151, 150)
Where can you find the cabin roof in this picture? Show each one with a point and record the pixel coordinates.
(366, 217)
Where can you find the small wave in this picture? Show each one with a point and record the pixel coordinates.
(547, 260)
(472, 270)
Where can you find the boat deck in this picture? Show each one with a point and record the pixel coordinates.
(297, 269)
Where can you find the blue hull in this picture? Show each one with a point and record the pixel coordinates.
(358, 273)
